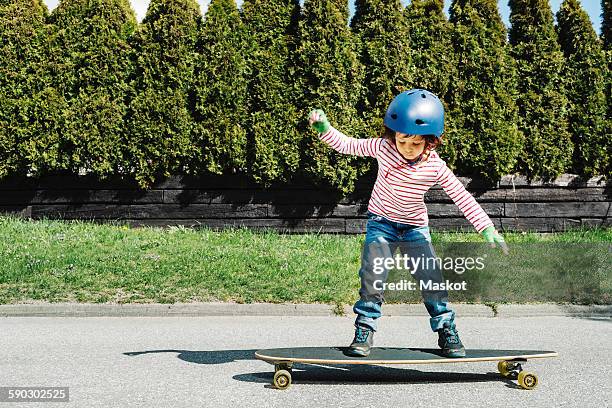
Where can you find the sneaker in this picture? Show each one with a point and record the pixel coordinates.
(449, 342)
(362, 343)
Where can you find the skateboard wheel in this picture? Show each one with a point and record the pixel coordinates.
(282, 379)
(527, 380)
(503, 368)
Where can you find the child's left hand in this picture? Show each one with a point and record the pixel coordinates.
(493, 237)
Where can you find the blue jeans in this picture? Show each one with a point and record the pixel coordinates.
(383, 237)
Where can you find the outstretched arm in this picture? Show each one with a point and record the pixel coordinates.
(339, 141)
(470, 207)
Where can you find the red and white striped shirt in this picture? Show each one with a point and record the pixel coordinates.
(399, 191)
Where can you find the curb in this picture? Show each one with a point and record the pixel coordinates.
(163, 310)
(288, 309)
(548, 309)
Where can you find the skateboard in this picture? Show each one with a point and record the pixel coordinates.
(510, 362)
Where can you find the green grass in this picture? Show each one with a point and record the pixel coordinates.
(59, 261)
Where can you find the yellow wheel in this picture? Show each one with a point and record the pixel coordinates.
(282, 379)
(502, 367)
(527, 380)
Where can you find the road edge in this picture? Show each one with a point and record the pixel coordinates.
(41, 309)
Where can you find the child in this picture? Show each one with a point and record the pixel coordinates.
(408, 166)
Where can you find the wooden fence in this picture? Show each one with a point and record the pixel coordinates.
(223, 201)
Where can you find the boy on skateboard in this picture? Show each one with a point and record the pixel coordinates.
(408, 166)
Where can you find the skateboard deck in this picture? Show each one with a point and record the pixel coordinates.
(509, 361)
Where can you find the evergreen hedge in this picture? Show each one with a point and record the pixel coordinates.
(586, 67)
(330, 78)
(272, 132)
(433, 64)
(606, 37)
(159, 120)
(542, 101)
(606, 26)
(31, 110)
(87, 88)
(221, 92)
(483, 92)
(90, 45)
(384, 51)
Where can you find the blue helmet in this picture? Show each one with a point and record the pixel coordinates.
(416, 112)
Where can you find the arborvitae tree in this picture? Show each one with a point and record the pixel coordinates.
(383, 49)
(159, 122)
(482, 95)
(433, 61)
(606, 26)
(432, 58)
(606, 36)
(585, 70)
(31, 111)
(272, 148)
(91, 47)
(542, 101)
(221, 91)
(330, 78)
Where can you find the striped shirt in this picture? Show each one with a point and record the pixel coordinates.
(400, 188)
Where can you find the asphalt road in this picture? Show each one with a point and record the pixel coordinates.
(195, 362)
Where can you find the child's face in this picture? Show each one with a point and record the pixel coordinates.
(409, 146)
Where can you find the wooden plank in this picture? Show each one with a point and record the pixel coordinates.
(596, 222)
(240, 196)
(257, 196)
(544, 194)
(556, 194)
(143, 211)
(564, 180)
(434, 210)
(547, 224)
(231, 182)
(356, 225)
(71, 196)
(18, 210)
(320, 225)
(559, 209)
(206, 181)
(470, 184)
(238, 181)
(66, 181)
(455, 224)
(451, 210)
(307, 211)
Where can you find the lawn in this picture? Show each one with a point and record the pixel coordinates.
(60, 261)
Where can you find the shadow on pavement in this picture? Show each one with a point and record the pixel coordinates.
(337, 374)
(371, 374)
(204, 357)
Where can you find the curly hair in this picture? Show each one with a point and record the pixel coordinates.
(431, 141)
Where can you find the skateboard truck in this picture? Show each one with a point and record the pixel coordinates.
(513, 369)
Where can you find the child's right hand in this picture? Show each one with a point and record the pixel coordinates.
(318, 121)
